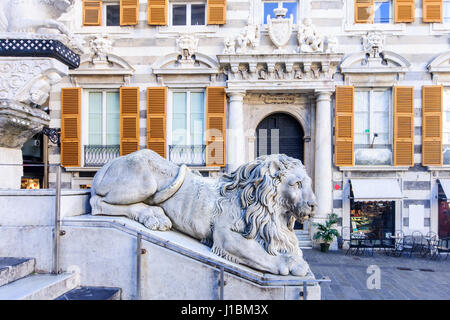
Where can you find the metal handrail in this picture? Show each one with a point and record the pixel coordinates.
(57, 213)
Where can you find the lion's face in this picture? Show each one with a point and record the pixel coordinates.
(297, 195)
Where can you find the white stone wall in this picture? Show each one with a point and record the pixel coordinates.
(419, 43)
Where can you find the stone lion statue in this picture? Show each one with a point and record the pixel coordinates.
(246, 216)
(32, 15)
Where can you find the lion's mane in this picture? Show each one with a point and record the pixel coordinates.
(252, 196)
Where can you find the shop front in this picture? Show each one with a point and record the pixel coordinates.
(444, 208)
(373, 207)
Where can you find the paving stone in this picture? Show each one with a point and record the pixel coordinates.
(349, 276)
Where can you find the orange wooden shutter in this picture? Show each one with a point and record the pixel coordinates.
(432, 10)
(343, 117)
(403, 126)
(157, 12)
(92, 13)
(216, 125)
(364, 11)
(404, 11)
(70, 127)
(432, 125)
(156, 119)
(129, 12)
(129, 120)
(216, 11)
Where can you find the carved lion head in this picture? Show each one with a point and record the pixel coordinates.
(272, 192)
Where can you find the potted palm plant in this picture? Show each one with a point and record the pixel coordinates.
(325, 232)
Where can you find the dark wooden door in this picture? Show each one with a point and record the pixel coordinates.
(280, 133)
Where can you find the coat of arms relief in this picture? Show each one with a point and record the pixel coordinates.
(280, 29)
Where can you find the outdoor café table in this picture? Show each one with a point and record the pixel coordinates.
(396, 241)
(356, 241)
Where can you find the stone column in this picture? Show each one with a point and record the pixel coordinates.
(235, 131)
(323, 156)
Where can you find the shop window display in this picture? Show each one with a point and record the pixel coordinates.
(444, 219)
(374, 219)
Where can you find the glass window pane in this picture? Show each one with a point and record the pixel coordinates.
(179, 15)
(361, 121)
(446, 12)
(198, 14)
(179, 118)
(113, 15)
(292, 9)
(380, 114)
(95, 118)
(197, 118)
(112, 118)
(382, 12)
(268, 10)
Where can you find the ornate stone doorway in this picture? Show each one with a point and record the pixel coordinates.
(280, 133)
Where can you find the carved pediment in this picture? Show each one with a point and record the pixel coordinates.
(385, 62)
(176, 63)
(440, 68)
(441, 63)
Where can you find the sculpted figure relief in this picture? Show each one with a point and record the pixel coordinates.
(246, 216)
(32, 15)
(308, 38)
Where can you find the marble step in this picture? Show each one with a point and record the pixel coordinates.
(39, 287)
(305, 244)
(92, 293)
(12, 269)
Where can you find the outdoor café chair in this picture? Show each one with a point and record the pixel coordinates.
(442, 247)
(429, 244)
(393, 244)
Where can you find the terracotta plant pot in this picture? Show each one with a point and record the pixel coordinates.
(324, 247)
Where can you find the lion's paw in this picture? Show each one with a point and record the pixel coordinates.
(154, 219)
(294, 265)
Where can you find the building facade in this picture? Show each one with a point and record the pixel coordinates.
(359, 90)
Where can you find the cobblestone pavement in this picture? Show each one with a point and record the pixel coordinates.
(426, 279)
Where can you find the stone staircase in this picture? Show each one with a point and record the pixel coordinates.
(304, 239)
(19, 281)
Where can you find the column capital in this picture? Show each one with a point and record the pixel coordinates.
(234, 94)
(323, 95)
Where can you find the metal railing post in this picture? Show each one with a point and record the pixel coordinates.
(138, 266)
(56, 223)
(305, 291)
(221, 282)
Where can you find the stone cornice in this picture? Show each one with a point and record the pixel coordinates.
(280, 72)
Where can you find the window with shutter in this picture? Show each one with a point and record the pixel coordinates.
(432, 125)
(404, 10)
(70, 126)
(92, 13)
(403, 126)
(216, 11)
(446, 127)
(129, 12)
(129, 120)
(432, 10)
(216, 115)
(343, 136)
(364, 11)
(156, 119)
(157, 12)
